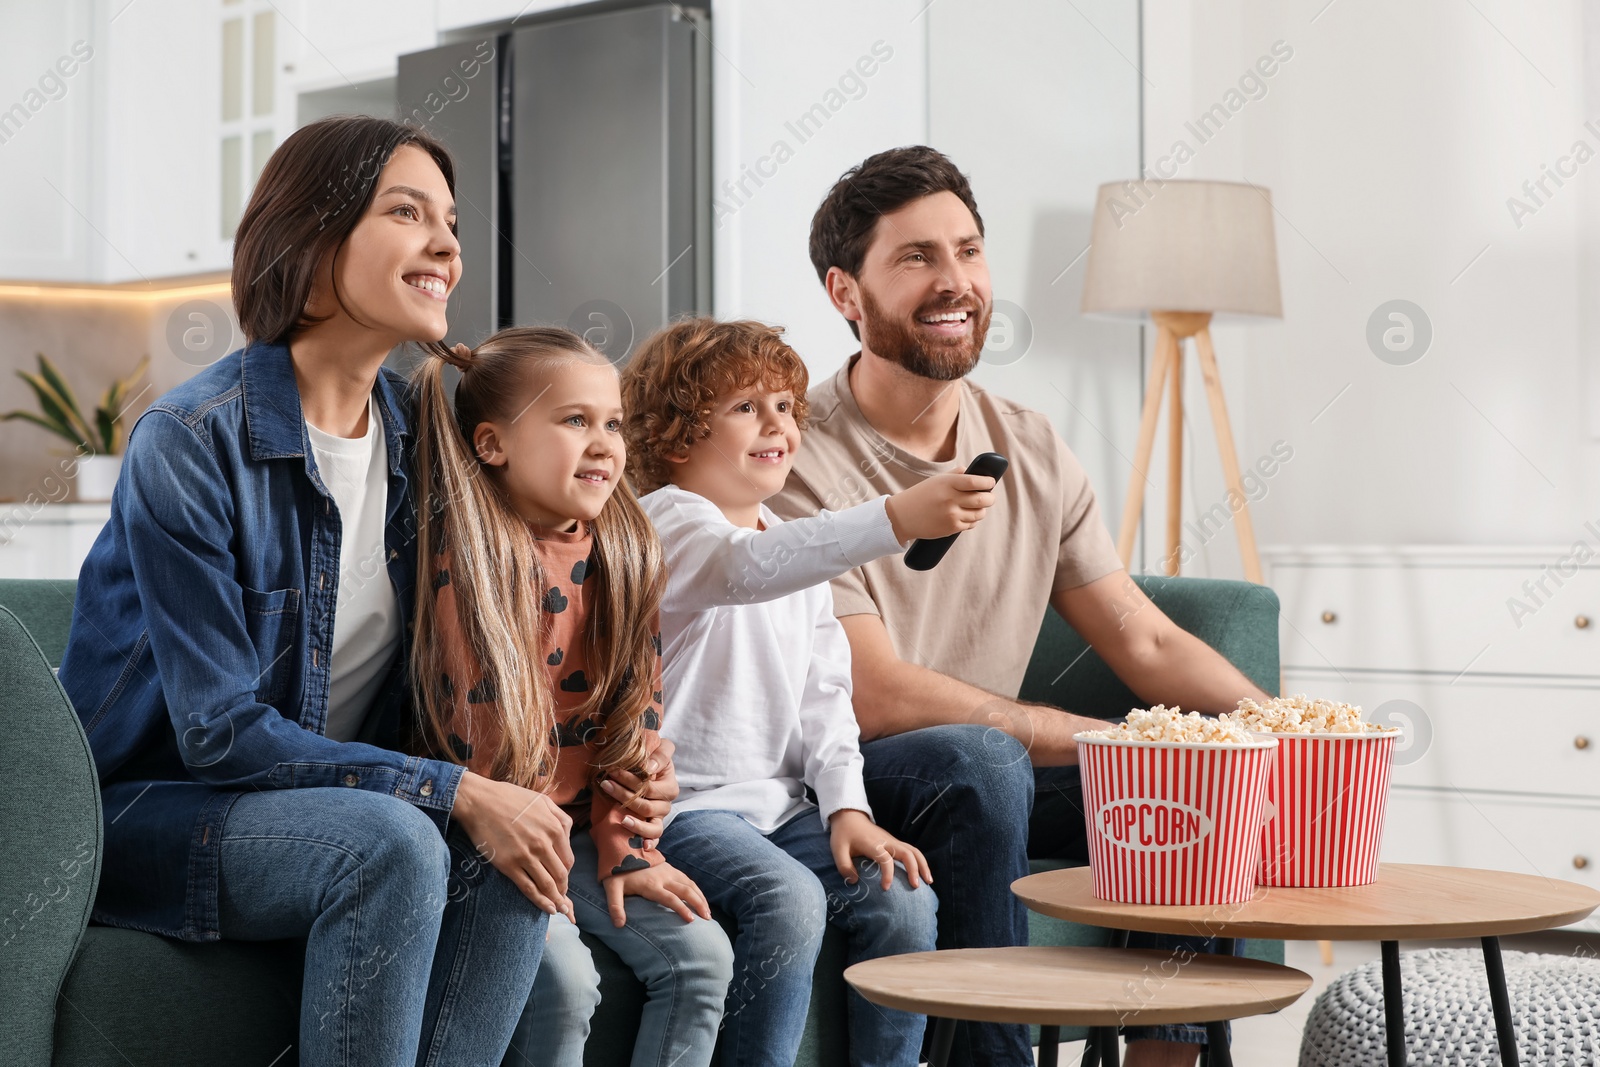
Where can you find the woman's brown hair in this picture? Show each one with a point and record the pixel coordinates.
(495, 575)
(678, 372)
(312, 192)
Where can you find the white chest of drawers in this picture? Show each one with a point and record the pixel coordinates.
(1490, 657)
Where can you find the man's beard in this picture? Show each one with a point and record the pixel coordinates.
(941, 361)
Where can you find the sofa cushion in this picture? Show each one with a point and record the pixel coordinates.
(141, 998)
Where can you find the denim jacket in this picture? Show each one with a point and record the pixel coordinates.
(198, 656)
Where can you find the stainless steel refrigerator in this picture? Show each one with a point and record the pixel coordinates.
(582, 150)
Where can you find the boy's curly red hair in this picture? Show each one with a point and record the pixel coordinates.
(677, 373)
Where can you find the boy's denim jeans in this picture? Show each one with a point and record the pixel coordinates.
(783, 890)
(968, 797)
(417, 951)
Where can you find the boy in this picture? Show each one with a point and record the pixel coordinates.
(773, 821)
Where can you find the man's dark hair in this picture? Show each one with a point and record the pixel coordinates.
(314, 189)
(842, 228)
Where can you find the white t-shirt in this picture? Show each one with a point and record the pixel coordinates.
(756, 669)
(366, 618)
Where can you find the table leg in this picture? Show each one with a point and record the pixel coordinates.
(1217, 1053)
(944, 1036)
(1049, 1046)
(1394, 1005)
(1103, 1049)
(1505, 1029)
(1110, 1047)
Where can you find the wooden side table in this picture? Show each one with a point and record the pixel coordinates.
(1407, 901)
(1056, 987)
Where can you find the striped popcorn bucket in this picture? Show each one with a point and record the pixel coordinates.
(1174, 823)
(1324, 815)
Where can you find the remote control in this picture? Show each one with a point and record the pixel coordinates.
(925, 554)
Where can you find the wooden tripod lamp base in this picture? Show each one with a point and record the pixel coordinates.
(1166, 374)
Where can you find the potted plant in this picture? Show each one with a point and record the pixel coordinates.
(97, 442)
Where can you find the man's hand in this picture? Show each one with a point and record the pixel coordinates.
(941, 505)
(854, 834)
(650, 808)
(664, 884)
(524, 834)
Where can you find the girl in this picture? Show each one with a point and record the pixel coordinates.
(239, 652)
(538, 656)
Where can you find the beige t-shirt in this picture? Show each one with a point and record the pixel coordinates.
(975, 616)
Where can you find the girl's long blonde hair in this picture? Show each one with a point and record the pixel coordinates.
(498, 584)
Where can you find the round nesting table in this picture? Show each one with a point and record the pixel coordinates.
(1055, 987)
(1407, 901)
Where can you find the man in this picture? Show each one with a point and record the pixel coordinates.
(954, 762)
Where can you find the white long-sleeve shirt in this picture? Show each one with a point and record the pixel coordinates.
(757, 670)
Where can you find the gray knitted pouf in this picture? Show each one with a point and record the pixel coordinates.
(1555, 1001)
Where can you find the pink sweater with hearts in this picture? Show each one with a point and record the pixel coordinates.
(570, 568)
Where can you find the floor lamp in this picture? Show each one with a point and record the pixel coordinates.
(1177, 253)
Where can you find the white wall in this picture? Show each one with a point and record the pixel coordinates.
(1036, 101)
(1391, 141)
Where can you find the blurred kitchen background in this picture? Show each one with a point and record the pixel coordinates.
(685, 150)
(1390, 139)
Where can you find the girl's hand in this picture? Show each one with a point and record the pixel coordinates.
(855, 834)
(524, 834)
(941, 505)
(649, 809)
(664, 884)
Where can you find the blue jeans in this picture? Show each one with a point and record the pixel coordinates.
(782, 889)
(966, 796)
(685, 968)
(555, 1022)
(417, 951)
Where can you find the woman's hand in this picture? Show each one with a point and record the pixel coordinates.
(650, 808)
(664, 884)
(855, 834)
(524, 834)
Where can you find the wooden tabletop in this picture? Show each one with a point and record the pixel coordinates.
(1407, 901)
(1076, 986)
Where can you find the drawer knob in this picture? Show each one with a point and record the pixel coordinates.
(1580, 742)
(1580, 862)
(1581, 622)
(1329, 617)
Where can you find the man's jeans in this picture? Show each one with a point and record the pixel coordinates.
(970, 800)
(417, 951)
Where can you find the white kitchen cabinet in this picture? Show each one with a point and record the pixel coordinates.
(45, 139)
(355, 41)
(48, 540)
(156, 154)
(137, 165)
(464, 14)
(1490, 659)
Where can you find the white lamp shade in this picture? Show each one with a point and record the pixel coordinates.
(1182, 246)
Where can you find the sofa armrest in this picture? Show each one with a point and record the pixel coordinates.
(50, 836)
(1238, 619)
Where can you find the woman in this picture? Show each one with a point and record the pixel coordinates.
(239, 646)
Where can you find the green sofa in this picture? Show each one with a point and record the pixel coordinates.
(77, 995)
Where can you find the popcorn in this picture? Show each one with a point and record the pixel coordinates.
(1300, 714)
(1162, 723)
